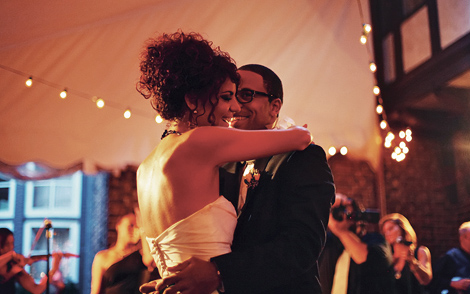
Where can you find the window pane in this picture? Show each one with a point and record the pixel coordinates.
(410, 5)
(64, 239)
(41, 197)
(4, 199)
(63, 197)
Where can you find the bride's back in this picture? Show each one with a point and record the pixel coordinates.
(173, 182)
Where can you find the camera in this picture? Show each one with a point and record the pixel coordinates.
(366, 215)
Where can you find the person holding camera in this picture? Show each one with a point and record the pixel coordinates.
(411, 263)
(355, 261)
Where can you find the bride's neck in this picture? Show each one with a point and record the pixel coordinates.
(178, 126)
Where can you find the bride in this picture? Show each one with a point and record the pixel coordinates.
(193, 86)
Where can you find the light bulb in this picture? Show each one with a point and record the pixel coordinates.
(388, 144)
(100, 103)
(367, 28)
(363, 39)
(372, 67)
(29, 82)
(383, 124)
(158, 119)
(379, 109)
(63, 94)
(402, 134)
(332, 151)
(401, 157)
(127, 114)
(343, 150)
(376, 90)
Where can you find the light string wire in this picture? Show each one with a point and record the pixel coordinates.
(74, 92)
(399, 150)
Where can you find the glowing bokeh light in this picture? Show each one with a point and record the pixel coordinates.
(29, 82)
(127, 114)
(332, 150)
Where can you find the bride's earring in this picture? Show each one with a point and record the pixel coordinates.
(192, 123)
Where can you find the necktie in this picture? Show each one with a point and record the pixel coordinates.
(340, 280)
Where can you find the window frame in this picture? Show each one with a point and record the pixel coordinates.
(75, 208)
(74, 227)
(11, 185)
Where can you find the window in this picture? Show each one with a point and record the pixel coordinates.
(65, 237)
(24, 205)
(54, 198)
(57, 197)
(7, 198)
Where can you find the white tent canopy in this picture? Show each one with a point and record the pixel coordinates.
(92, 48)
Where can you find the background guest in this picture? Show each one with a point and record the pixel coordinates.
(412, 263)
(353, 260)
(120, 269)
(12, 267)
(452, 270)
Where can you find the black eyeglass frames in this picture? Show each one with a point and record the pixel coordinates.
(246, 95)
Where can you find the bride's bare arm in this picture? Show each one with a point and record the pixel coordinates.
(220, 145)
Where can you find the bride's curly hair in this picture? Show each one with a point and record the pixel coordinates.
(179, 64)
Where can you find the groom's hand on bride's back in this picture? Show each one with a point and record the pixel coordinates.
(149, 288)
(193, 276)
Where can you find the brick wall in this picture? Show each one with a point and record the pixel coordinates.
(122, 198)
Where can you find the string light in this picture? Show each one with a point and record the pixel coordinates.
(66, 91)
(363, 39)
(158, 119)
(332, 150)
(63, 94)
(376, 90)
(100, 103)
(127, 113)
(343, 150)
(379, 109)
(29, 82)
(398, 151)
(383, 124)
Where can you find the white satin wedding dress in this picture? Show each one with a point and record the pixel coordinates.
(206, 233)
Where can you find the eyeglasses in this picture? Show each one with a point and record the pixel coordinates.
(246, 95)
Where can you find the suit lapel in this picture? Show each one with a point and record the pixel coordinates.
(229, 181)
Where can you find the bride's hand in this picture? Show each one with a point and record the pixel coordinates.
(304, 129)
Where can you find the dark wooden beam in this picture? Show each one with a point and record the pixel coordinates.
(429, 76)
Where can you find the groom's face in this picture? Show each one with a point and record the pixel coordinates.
(257, 114)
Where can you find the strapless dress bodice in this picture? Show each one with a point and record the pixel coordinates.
(206, 233)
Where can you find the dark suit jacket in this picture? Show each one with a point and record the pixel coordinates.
(282, 228)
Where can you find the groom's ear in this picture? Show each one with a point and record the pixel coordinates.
(275, 107)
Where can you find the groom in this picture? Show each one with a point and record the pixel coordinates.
(282, 224)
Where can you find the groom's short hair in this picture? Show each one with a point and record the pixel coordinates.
(271, 81)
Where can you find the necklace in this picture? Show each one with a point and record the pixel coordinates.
(169, 132)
